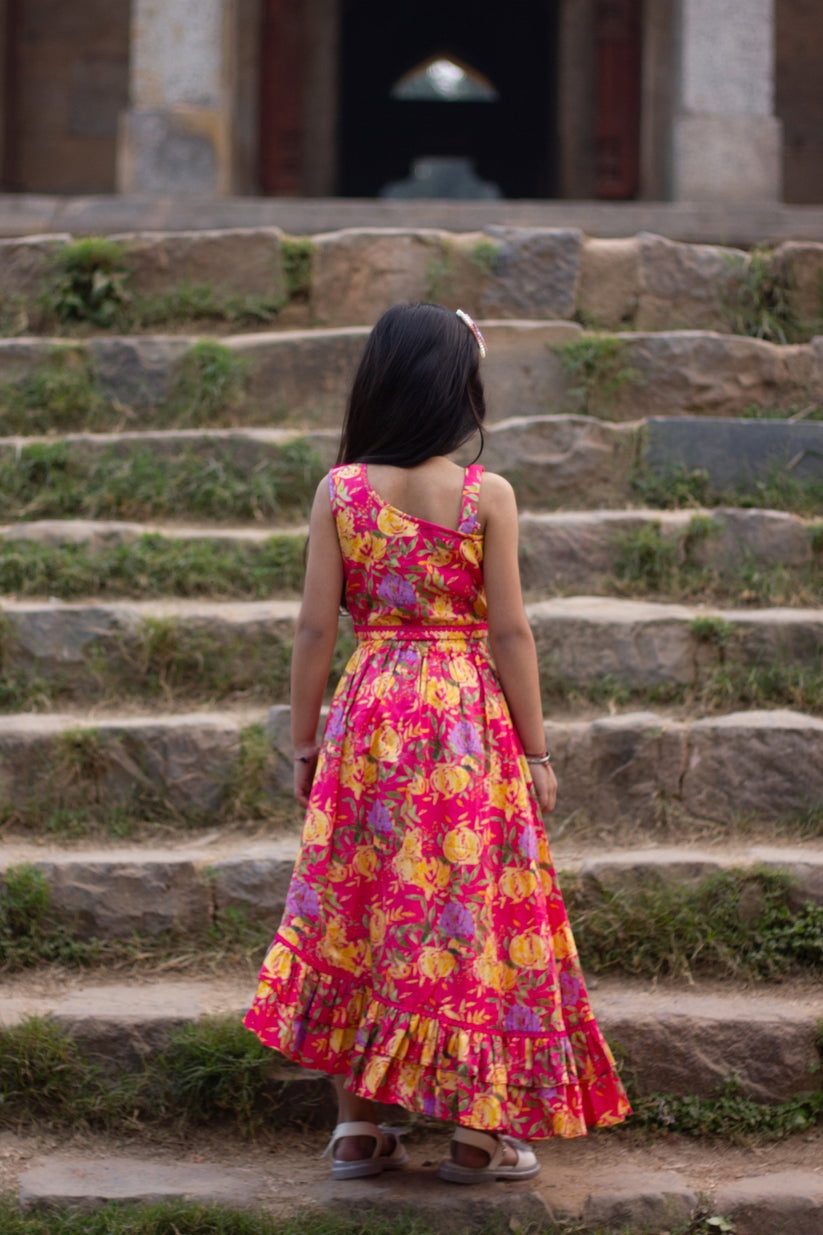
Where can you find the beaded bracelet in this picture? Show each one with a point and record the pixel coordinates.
(539, 760)
(305, 758)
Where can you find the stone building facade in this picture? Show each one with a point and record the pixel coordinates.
(689, 100)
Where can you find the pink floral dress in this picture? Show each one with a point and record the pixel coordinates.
(425, 953)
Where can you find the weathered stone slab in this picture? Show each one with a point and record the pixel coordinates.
(301, 377)
(564, 550)
(61, 1180)
(21, 357)
(620, 768)
(534, 273)
(790, 1202)
(587, 639)
(556, 460)
(640, 869)
(639, 1200)
(801, 266)
(137, 372)
(700, 373)
(248, 448)
(359, 273)
(96, 534)
(608, 284)
(108, 897)
(733, 452)
(256, 884)
(804, 865)
(178, 764)
(442, 1210)
(685, 286)
(683, 1042)
(753, 763)
(28, 266)
(244, 260)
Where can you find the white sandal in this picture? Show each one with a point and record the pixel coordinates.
(525, 1166)
(373, 1165)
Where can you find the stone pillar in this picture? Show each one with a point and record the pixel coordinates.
(726, 141)
(177, 135)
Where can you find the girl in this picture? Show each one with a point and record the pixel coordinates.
(425, 956)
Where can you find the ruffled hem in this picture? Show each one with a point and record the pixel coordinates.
(531, 1085)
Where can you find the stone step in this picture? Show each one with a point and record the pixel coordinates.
(271, 474)
(113, 892)
(302, 377)
(741, 223)
(641, 771)
(560, 550)
(197, 649)
(596, 1184)
(644, 281)
(669, 1039)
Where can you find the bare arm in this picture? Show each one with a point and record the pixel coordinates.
(510, 637)
(314, 638)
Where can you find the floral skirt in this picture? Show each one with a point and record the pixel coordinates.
(425, 953)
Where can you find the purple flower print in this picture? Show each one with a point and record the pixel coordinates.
(300, 1031)
(408, 657)
(570, 986)
(380, 819)
(523, 1019)
(464, 739)
(429, 1105)
(549, 1093)
(302, 901)
(457, 922)
(398, 592)
(528, 843)
(335, 725)
(362, 1036)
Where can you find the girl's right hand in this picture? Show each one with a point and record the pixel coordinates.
(304, 770)
(545, 786)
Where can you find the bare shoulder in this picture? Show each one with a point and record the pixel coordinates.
(496, 496)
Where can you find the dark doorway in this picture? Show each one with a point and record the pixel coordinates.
(510, 140)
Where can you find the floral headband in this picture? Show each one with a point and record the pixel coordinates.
(475, 329)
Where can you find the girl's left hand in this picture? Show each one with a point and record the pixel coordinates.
(545, 786)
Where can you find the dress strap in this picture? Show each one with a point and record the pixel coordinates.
(471, 495)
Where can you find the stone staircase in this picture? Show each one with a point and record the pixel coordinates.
(670, 476)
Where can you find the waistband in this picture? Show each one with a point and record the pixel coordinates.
(366, 634)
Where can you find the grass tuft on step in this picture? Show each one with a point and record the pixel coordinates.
(155, 566)
(49, 481)
(189, 1218)
(733, 924)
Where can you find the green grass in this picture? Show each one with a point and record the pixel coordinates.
(188, 1218)
(214, 1070)
(735, 924)
(60, 394)
(188, 305)
(49, 480)
(92, 274)
(729, 1115)
(596, 372)
(680, 487)
(759, 302)
(673, 567)
(209, 387)
(297, 253)
(154, 566)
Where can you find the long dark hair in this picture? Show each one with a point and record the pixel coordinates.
(417, 391)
